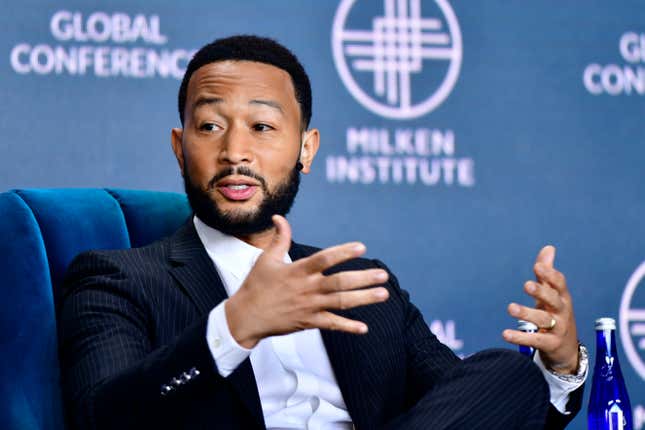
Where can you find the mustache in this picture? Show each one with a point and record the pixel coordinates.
(241, 171)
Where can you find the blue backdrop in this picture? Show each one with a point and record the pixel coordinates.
(458, 137)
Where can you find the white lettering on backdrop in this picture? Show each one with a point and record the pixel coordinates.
(95, 53)
(402, 156)
(617, 79)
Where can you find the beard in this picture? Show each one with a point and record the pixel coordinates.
(238, 222)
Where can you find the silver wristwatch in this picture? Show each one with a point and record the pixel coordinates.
(583, 365)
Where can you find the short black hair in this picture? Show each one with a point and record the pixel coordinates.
(252, 48)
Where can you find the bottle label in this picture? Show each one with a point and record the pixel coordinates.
(616, 417)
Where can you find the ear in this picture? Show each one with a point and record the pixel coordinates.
(310, 144)
(176, 136)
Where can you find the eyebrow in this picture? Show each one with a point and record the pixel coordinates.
(269, 103)
(206, 101)
(216, 100)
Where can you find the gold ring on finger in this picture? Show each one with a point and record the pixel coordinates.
(551, 324)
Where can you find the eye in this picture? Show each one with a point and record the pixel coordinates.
(262, 127)
(209, 126)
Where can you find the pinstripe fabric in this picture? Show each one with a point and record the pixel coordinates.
(493, 389)
(132, 320)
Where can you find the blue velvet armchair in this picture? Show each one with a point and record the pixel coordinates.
(40, 233)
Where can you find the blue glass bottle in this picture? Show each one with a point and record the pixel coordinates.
(609, 407)
(526, 327)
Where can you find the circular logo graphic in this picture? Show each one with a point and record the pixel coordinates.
(395, 60)
(632, 320)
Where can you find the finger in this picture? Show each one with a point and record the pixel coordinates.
(544, 295)
(538, 317)
(351, 299)
(352, 279)
(281, 241)
(329, 257)
(552, 277)
(328, 321)
(541, 341)
(546, 256)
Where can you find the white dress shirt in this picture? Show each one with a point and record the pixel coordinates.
(295, 380)
(297, 386)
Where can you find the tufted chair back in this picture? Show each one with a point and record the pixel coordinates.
(41, 231)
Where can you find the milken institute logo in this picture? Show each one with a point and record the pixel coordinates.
(401, 45)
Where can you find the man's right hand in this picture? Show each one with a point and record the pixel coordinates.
(278, 298)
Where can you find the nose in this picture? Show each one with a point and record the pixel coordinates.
(236, 147)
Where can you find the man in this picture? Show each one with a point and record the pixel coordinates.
(229, 324)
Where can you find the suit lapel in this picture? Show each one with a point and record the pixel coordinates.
(194, 271)
(341, 349)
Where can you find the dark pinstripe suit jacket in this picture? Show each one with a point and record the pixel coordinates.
(133, 323)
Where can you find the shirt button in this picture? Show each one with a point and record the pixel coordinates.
(217, 342)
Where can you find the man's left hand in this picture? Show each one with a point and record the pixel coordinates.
(557, 338)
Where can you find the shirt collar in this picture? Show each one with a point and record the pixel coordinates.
(227, 252)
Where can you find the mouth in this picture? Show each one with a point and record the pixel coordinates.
(237, 189)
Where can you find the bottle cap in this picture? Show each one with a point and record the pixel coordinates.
(605, 324)
(526, 326)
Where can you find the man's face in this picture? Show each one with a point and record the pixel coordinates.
(240, 144)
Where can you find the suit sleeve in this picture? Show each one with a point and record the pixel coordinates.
(428, 359)
(112, 376)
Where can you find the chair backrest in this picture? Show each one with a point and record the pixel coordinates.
(41, 230)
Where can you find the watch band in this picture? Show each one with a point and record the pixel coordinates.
(583, 366)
